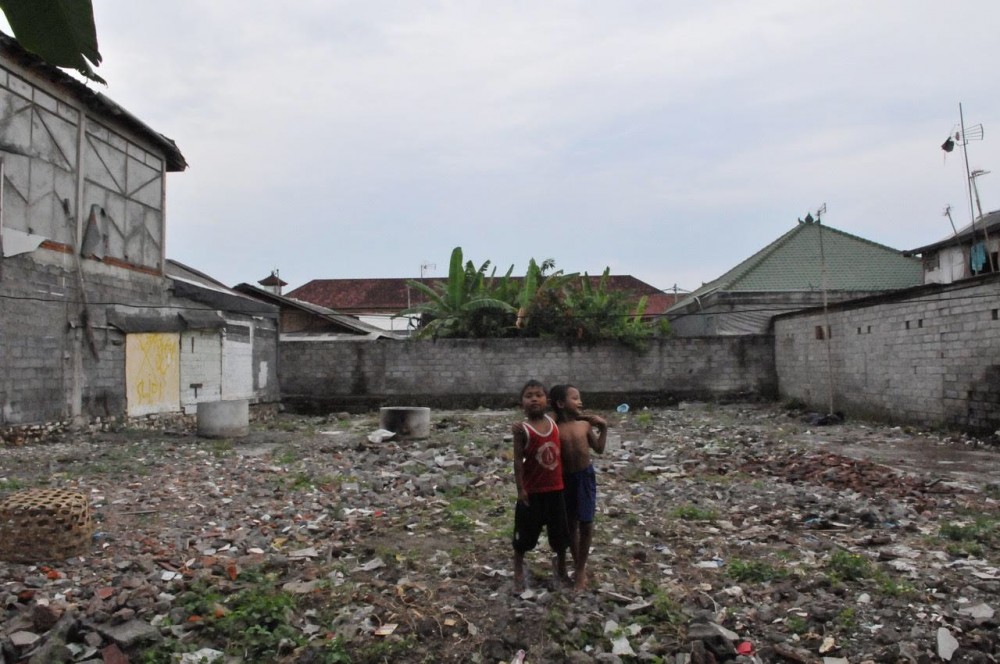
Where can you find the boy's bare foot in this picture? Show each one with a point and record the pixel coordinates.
(560, 571)
(518, 584)
(581, 581)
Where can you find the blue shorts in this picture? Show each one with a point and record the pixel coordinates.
(581, 494)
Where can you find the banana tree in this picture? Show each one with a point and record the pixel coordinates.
(61, 32)
(538, 288)
(456, 306)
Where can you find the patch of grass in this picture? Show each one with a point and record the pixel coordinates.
(692, 512)
(644, 419)
(11, 485)
(393, 648)
(847, 618)
(285, 456)
(222, 447)
(845, 566)
(796, 624)
(302, 481)
(892, 588)
(980, 530)
(756, 571)
(459, 508)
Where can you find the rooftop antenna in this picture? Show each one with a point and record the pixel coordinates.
(962, 137)
(975, 189)
(947, 213)
(820, 211)
(426, 267)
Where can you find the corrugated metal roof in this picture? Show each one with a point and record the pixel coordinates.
(793, 263)
(989, 223)
(353, 325)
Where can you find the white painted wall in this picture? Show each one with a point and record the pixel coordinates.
(237, 361)
(201, 365)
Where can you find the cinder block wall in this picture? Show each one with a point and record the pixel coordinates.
(928, 355)
(325, 375)
(45, 349)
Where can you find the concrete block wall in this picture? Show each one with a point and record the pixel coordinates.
(56, 365)
(928, 355)
(47, 358)
(329, 374)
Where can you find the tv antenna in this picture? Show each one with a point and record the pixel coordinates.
(947, 213)
(426, 267)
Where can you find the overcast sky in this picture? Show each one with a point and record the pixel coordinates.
(669, 140)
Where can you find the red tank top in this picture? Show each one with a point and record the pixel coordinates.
(542, 459)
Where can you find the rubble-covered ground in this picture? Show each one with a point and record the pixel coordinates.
(725, 533)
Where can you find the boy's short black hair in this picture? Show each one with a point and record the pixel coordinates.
(556, 394)
(533, 383)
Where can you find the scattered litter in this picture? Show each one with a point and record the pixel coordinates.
(379, 435)
(370, 566)
(622, 408)
(714, 563)
(386, 629)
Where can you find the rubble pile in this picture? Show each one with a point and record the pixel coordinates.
(725, 533)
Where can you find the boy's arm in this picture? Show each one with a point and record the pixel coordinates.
(520, 440)
(597, 436)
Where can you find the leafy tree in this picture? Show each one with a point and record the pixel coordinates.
(61, 32)
(465, 304)
(538, 287)
(580, 311)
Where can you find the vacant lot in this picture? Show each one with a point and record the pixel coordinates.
(724, 533)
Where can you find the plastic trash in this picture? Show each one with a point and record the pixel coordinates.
(379, 435)
(622, 408)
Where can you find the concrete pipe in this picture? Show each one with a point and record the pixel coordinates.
(406, 421)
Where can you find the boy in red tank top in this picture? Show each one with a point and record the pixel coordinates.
(539, 479)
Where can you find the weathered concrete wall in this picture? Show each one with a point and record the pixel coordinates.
(928, 355)
(57, 363)
(48, 367)
(325, 375)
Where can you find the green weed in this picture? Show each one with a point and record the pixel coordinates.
(11, 485)
(847, 618)
(691, 512)
(796, 624)
(222, 447)
(844, 566)
(756, 571)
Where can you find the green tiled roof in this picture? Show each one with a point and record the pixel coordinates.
(792, 263)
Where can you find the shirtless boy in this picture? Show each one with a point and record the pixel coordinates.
(579, 433)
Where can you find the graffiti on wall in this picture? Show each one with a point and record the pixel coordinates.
(152, 373)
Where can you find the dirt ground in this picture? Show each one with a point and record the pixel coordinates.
(736, 532)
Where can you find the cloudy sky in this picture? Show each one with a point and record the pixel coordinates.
(665, 139)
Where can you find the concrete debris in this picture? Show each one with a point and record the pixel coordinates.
(725, 533)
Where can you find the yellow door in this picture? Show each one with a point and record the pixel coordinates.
(152, 373)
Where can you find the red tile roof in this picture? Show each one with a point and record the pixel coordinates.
(354, 296)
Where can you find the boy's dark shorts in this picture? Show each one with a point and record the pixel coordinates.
(546, 510)
(581, 494)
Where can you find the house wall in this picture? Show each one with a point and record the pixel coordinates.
(56, 362)
(326, 375)
(201, 368)
(81, 230)
(747, 313)
(928, 355)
